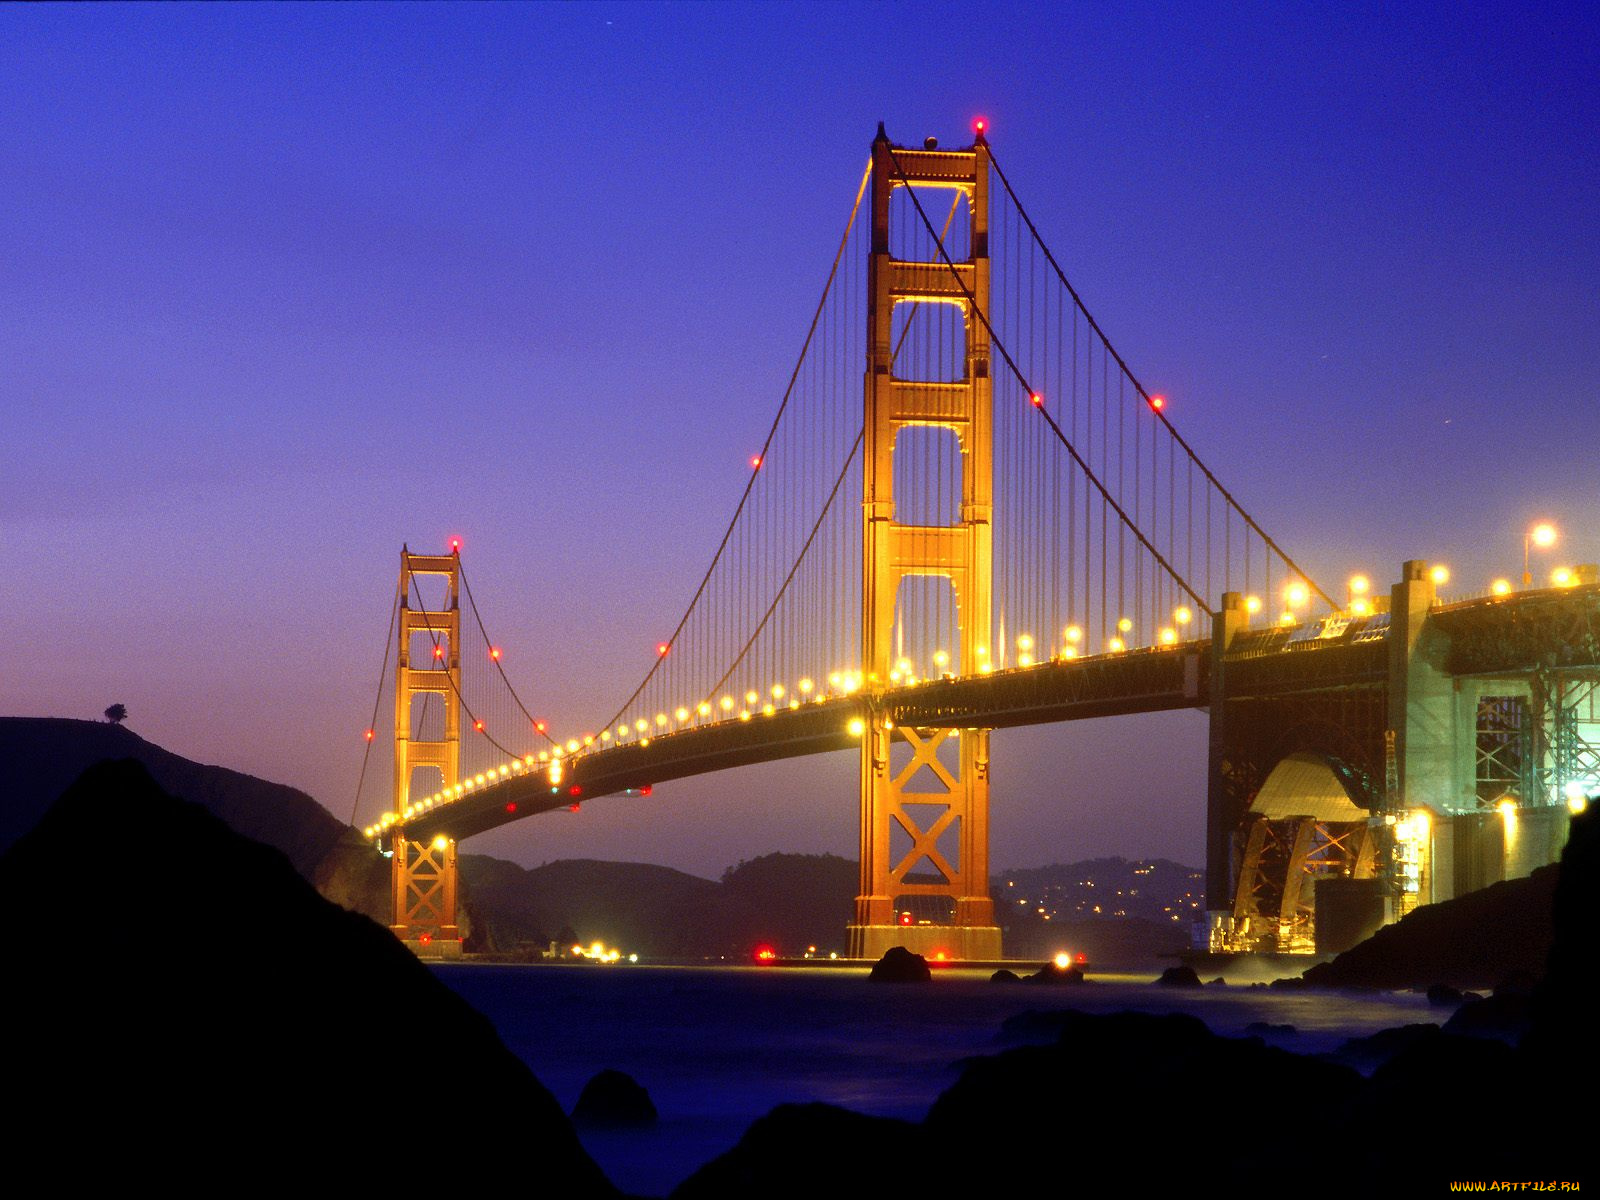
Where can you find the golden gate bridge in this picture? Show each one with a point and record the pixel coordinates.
(969, 514)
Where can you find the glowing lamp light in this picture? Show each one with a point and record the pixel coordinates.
(646, 789)
(1360, 585)
(806, 686)
(1157, 403)
(538, 726)
(1506, 808)
(1182, 615)
(572, 745)
(777, 691)
(1073, 634)
(1036, 400)
(455, 545)
(703, 708)
(755, 462)
(1543, 534)
(511, 807)
(438, 651)
(1125, 625)
(726, 704)
(1062, 960)
(1252, 604)
(1360, 608)
(1500, 587)
(1116, 645)
(856, 727)
(1563, 577)
(765, 954)
(1024, 642)
(575, 790)
(478, 725)
(1297, 594)
(440, 842)
(661, 649)
(979, 126)
(494, 653)
(941, 659)
(752, 697)
(1440, 575)
(370, 735)
(1169, 637)
(680, 714)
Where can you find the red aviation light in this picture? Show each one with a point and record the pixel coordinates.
(1158, 402)
(478, 725)
(646, 789)
(574, 790)
(905, 918)
(980, 126)
(494, 653)
(755, 462)
(574, 807)
(455, 545)
(538, 726)
(438, 651)
(766, 954)
(511, 807)
(369, 735)
(1037, 400)
(662, 648)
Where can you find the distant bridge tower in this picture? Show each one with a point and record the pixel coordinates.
(945, 871)
(424, 873)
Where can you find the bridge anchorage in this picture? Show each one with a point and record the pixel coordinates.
(1036, 542)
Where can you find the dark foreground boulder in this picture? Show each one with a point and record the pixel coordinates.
(614, 1099)
(899, 965)
(182, 1006)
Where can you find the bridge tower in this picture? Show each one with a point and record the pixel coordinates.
(424, 873)
(947, 826)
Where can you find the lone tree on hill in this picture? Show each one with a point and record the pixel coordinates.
(117, 714)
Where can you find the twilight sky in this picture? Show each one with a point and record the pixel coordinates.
(282, 287)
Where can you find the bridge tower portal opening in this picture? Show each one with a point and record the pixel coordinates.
(924, 826)
(423, 873)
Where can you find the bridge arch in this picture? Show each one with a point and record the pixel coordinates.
(1307, 783)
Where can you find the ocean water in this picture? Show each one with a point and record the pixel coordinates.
(717, 1047)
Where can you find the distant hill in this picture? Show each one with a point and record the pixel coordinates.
(44, 755)
(788, 901)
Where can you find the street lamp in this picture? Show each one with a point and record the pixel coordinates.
(1542, 535)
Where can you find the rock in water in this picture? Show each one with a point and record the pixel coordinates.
(190, 1010)
(1050, 973)
(614, 1099)
(899, 965)
(1183, 977)
(1005, 975)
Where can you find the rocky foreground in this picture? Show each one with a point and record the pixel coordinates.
(183, 1011)
(1140, 1104)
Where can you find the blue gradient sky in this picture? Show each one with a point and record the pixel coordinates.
(284, 286)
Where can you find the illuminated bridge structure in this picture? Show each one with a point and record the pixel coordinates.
(995, 525)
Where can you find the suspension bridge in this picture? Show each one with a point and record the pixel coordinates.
(968, 514)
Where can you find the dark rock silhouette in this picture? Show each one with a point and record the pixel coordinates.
(1473, 941)
(1005, 975)
(1268, 1029)
(1442, 995)
(1368, 1052)
(190, 1005)
(614, 1099)
(899, 965)
(1504, 1015)
(1183, 977)
(1050, 973)
(811, 1150)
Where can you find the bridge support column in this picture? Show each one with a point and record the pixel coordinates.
(1223, 810)
(424, 873)
(925, 792)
